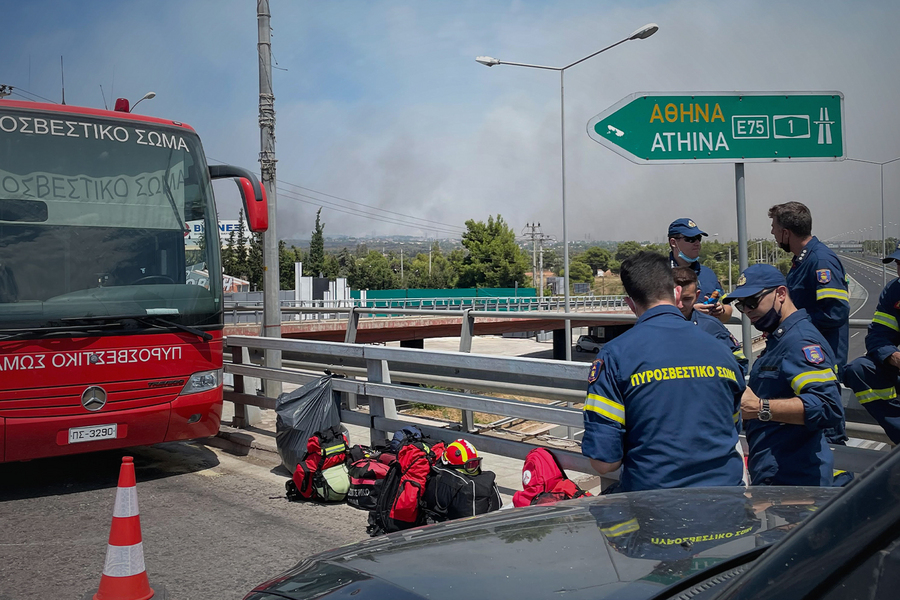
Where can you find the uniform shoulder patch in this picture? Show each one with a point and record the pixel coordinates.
(814, 354)
(734, 340)
(823, 275)
(596, 368)
(897, 305)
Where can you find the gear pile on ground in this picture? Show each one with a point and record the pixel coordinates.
(413, 480)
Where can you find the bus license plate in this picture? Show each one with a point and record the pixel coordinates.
(92, 434)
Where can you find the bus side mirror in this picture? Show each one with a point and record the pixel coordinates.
(253, 195)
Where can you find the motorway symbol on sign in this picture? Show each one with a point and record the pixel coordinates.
(723, 127)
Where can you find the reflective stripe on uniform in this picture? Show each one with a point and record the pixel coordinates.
(803, 379)
(606, 407)
(736, 416)
(621, 528)
(871, 395)
(739, 354)
(886, 320)
(823, 293)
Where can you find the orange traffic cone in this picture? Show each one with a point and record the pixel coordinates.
(124, 576)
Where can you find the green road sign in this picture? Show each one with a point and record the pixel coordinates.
(724, 127)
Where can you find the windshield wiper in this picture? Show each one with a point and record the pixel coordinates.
(155, 320)
(152, 320)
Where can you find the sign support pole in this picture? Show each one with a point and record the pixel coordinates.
(743, 259)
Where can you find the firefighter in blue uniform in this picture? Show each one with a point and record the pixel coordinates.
(875, 377)
(684, 246)
(686, 279)
(817, 280)
(794, 395)
(663, 402)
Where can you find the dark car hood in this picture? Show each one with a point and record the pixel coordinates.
(622, 546)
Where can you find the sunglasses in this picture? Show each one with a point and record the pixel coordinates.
(693, 239)
(752, 302)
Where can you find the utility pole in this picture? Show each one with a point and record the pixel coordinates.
(537, 247)
(532, 234)
(541, 269)
(271, 280)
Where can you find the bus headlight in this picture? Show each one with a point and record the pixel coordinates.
(202, 382)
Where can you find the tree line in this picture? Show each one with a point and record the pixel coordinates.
(490, 256)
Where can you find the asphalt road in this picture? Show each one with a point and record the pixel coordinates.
(866, 271)
(214, 525)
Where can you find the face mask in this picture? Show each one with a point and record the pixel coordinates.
(683, 257)
(783, 246)
(769, 322)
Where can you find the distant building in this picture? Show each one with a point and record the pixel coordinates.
(557, 285)
(225, 228)
(581, 289)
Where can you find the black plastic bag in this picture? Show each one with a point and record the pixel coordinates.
(302, 413)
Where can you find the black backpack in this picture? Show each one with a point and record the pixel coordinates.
(453, 494)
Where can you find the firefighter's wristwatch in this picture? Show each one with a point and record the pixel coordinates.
(765, 414)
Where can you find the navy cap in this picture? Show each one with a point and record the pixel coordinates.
(685, 227)
(755, 279)
(892, 257)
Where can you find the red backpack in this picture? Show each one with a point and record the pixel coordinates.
(366, 477)
(542, 473)
(322, 474)
(563, 490)
(399, 500)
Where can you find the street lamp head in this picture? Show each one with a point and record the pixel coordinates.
(487, 61)
(147, 96)
(644, 32)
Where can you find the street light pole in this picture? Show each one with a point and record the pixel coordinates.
(883, 249)
(640, 34)
(730, 289)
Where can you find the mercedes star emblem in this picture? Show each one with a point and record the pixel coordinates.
(93, 398)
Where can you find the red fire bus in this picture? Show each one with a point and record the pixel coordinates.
(110, 325)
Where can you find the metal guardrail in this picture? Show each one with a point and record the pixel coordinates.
(251, 312)
(387, 371)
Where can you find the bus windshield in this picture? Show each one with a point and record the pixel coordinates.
(93, 222)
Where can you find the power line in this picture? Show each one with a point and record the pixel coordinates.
(350, 211)
(318, 202)
(373, 207)
(409, 220)
(17, 91)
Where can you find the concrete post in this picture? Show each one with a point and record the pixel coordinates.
(377, 372)
(465, 345)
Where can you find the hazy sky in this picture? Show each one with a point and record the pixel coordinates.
(383, 104)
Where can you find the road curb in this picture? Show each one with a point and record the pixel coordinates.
(241, 443)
